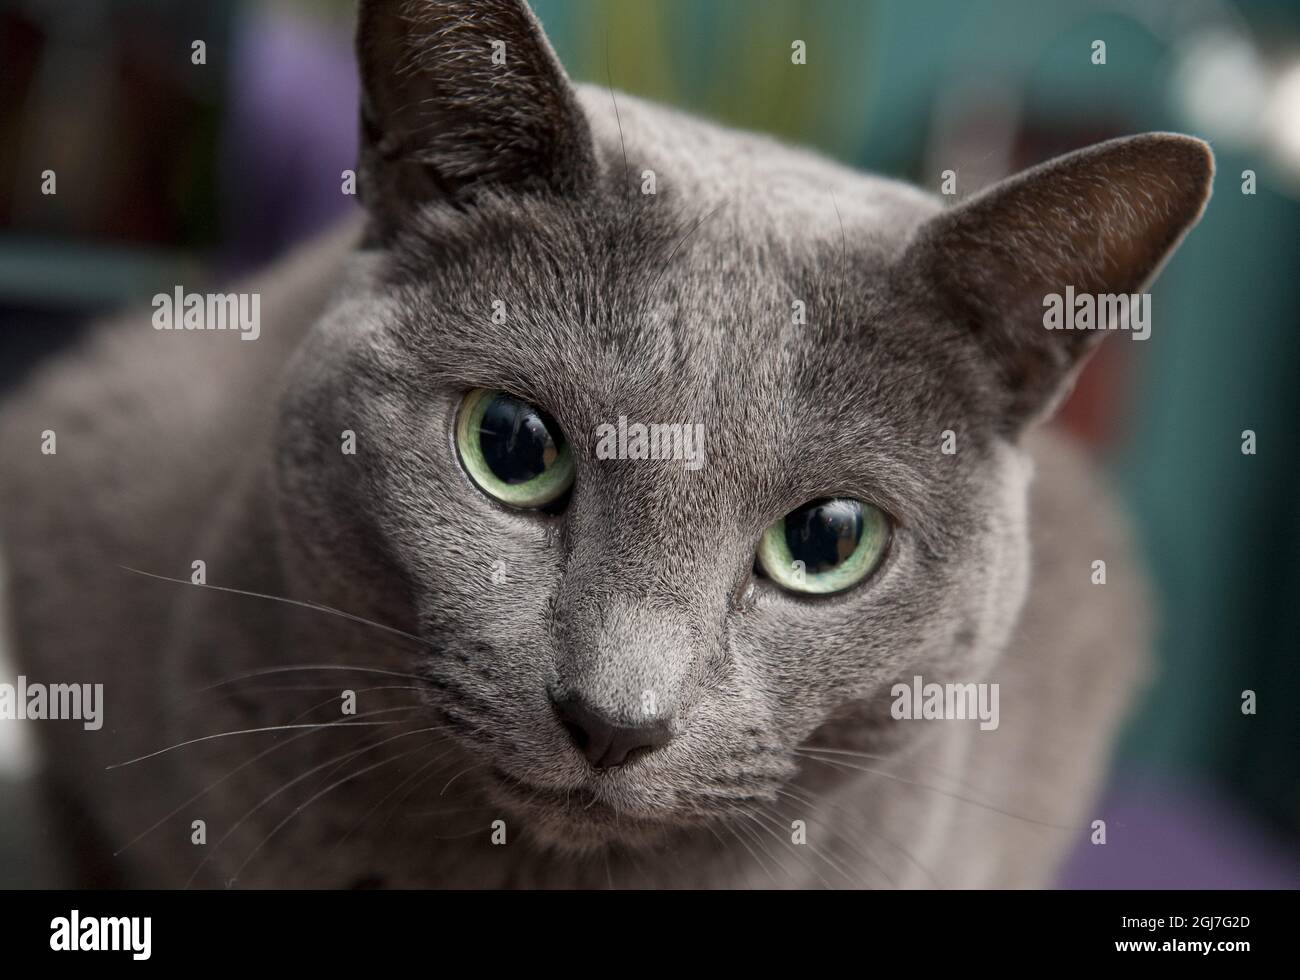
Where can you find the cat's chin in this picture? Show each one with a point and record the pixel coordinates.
(581, 820)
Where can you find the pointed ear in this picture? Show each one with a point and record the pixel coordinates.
(1101, 220)
(459, 95)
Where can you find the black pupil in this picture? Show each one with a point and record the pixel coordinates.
(824, 533)
(516, 440)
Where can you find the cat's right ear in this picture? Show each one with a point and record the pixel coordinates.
(459, 96)
(1102, 220)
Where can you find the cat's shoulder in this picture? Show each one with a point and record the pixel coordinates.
(1073, 501)
(1089, 617)
(107, 440)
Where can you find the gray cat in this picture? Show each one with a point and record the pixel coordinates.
(439, 639)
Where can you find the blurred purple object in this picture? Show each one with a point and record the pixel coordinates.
(1160, 836)
(291, 132)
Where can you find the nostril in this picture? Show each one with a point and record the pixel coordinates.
(636, 752)
(603, 742)
(576, 733)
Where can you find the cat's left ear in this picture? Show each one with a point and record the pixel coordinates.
(1102, 220)
(461, 95)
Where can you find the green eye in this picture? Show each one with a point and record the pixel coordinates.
(514, 451)
(825, 546)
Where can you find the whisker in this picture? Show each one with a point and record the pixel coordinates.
(874, 831)
(301, 603)
(866, 855)
(731, 828)
(328, 789)
(844, 243)
(721, 841)
(280, 688)
(244, 765)
(294, 688)
(757, 830)
(287, 669)
(389, 795)
(345, 757)
(362, 690)
(934, 789)
(175, 706)
(250, 731)
(683, 240)
(872, 757)
(609, 78)
(778, 835)
(397, 807)
(477, 765)
(859, 851)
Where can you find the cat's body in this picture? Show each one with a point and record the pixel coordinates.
(176, 447)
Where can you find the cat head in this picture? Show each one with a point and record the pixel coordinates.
(613, 631)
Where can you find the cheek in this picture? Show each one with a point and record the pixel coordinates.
(917, 615)
(472, 564)
(491, 589)
(483, 587)
(817, 652)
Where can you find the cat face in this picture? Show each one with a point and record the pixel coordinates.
(614, 657)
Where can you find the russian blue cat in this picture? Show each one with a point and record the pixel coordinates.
(436, 639)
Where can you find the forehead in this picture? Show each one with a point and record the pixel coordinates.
(809, 371)
(660, 279)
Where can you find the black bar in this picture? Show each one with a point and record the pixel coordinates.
(326, 930)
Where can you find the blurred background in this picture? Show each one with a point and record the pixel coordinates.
(167, 170)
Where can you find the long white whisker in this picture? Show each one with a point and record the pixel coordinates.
(249, 731)
(393, 792)
(345, 757)
(866, 855)
(316, 796)
(268, 671)
(302, 603)
(933, 789)
(244, 765)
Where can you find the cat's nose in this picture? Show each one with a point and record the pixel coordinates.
(605, 742)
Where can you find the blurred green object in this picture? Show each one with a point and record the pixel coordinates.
(730, 60)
